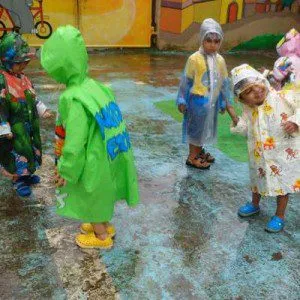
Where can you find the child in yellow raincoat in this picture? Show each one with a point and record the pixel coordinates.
(271, 122)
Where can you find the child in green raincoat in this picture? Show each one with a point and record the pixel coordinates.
(20, 141)
(95, 165)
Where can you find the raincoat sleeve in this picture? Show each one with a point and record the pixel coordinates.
(4, 110)
(241, 127)
(226, 94)
(292, 97)
(186, 83)
(72, 161)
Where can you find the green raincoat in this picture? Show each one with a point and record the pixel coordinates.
(18, 109)
(96, 158)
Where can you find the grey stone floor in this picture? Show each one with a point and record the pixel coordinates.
(184, 241)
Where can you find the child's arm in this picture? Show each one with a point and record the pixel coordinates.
(232, 114)
(42, 109)
(227, 96)
(240, 127)
(185, 86)
(71, 163)
(5, 130)
(293, 122)
(282, 68)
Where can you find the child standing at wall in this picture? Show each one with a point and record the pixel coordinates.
(204, 89)
(20, 142)
(271, 123)
(95, 166)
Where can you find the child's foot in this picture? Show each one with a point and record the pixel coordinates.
(90, 240)
(86, 228)
(248, 210)
(21, 187)
(32, 179)
(206, 156)
(197, 163)
(275, 225)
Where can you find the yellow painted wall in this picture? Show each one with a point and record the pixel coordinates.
(111, 23)
(187, 17)
(224, 10)
(56, 13)
(209, 9)
(122, 23)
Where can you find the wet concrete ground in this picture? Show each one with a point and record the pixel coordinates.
(184, 241)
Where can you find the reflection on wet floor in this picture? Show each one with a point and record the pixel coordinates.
(184, 241)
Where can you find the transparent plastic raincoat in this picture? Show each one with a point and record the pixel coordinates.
(204, 89)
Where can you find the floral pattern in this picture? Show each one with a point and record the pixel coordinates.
(274, 156)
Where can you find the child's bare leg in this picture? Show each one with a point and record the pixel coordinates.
(282, 202)
(256, 199)
(100, 230)
(194, 151)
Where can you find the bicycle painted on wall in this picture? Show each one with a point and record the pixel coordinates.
(42, 28)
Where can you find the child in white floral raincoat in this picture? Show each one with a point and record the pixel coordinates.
(271, 122)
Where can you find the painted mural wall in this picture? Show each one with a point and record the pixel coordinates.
(117, 23)
(242, 20)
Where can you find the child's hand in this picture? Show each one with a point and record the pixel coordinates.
(9, 136)
(290, 127)
(59, 181)
(235, 121)
(47, 114)
(182, 108)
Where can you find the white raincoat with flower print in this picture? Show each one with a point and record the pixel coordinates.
(274, 155)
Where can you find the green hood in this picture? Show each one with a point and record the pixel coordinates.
(64, 56)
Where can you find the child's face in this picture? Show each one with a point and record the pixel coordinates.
(19, 67)
(211, 45)
(254, 95)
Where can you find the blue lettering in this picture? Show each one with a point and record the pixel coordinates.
(118, 144)
(112, 148)
(109, 117)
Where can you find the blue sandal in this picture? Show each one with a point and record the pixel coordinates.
(275, 225)
(248, 210)
(31, 179)
(22, 189)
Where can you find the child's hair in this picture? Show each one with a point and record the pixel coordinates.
(208, 27)
(212, 36)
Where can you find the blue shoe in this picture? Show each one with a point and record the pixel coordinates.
(248, 210)
(22, 189)
(275, 225)
(31, 179)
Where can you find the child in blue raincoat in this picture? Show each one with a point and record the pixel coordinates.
(204, 90)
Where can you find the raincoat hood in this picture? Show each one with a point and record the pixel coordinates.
(64, 56)
(289, 45)
(210, 26)
(14, 49)
(243, 76)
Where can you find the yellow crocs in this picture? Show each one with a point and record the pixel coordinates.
(88, 228)
(88, 241)
(111, 230)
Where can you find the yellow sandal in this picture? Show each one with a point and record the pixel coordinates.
(90, 241)
(88, 228)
